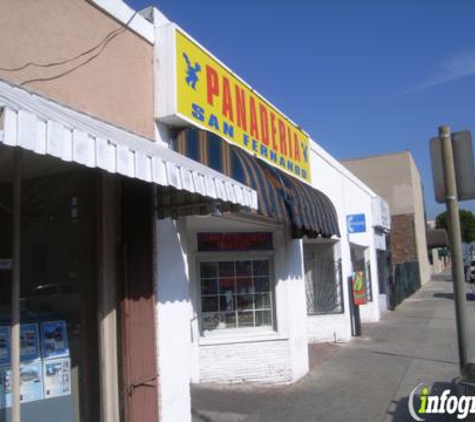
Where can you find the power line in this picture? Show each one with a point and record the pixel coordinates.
(100, 47)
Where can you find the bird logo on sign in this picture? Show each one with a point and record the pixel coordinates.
(192, 71)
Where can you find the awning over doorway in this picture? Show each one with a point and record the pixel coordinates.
(313, 213)
(280, 196)
(437, 238)
(45, 127)
(265, 183)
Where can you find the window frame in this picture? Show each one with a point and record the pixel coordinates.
(236, 256)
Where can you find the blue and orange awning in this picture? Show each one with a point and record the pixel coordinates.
(280, 196)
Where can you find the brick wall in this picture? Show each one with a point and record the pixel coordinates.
(403, 238)
(254, 361)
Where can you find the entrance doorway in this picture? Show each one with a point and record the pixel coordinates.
(59, 371)
(88, 350)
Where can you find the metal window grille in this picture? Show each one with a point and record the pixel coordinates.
(323, 279)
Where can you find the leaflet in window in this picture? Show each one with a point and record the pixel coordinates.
(57, 377)
(29, 342)
(55, 339)
(5, 348)
(31, 381)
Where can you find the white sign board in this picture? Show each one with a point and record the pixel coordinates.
(381, 215)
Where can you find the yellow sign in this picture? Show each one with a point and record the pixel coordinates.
(212, 97)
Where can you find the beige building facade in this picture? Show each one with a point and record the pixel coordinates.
(74, 53)
(396, 178)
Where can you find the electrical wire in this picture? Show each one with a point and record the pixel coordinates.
(99, 47)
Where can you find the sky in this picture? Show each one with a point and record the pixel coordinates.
(361, 77)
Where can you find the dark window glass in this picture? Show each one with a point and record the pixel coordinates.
(243, 268)
(237, 172)
(209, 304)
(209, 270)
(214, 153)
(226, 268)
(174, 144)
(193, 145)
(209, 286)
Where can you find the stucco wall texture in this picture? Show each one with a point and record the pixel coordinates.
(74, 53)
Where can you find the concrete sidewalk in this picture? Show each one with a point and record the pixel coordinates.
(368, 379)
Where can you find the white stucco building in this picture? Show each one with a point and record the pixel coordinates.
(350, 197)
(304, 281)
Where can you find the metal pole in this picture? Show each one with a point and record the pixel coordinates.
(15, 352)
(455, 239)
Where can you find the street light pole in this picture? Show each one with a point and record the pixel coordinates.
(455, 239)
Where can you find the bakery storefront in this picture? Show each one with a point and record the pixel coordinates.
(244, 271)
(79, 199)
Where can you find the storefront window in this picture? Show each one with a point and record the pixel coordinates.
(59, 334)
(236, 294)
(323, 280)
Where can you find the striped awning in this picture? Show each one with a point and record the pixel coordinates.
(280, 196)
(266, 183)
(313, 213)
(45, 127)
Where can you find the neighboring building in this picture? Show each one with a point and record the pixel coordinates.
(437, 243)
(395, 178)
(357, 249)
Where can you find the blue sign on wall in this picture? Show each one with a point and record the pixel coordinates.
(356, 223)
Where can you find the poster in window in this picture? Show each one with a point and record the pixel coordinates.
(55, 339)
(5, 333)
(359, 289)
(31, 381)
(57, 377)
(29, 343)
(5, 387)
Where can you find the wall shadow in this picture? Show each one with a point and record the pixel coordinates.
(470, 296)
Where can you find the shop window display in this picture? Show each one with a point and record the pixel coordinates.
(236, 294)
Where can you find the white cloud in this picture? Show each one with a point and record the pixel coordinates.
(455, 66)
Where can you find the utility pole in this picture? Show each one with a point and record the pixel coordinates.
(455, 239)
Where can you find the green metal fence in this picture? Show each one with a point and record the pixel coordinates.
(406, 281)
